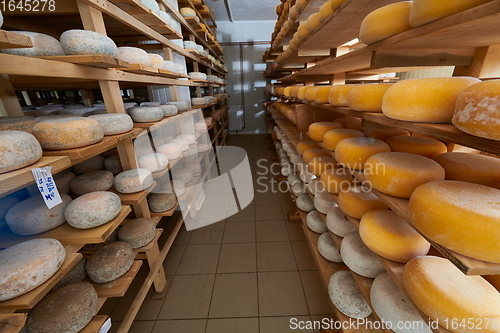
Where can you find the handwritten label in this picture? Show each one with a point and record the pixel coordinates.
(47, 186)
(106, 326)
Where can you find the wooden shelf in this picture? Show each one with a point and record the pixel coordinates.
(171, 75)
(156, 125)
(83, 153)
(203, 106)
(90, 60)
(169, 212)
(140, 69)
(12, 322)
(118, 287)
(11, 40)
(134, 198)
(95, 324)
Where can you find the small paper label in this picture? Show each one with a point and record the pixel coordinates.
(106, 326)
(47, 186)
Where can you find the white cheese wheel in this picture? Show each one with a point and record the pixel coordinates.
(295, 158)
(134, 55)
(315, 222)
(292, 179)
(176, 186)
(198, 101)
(110, 262)
(84, 42)
(337, 222)
(316, 186)
(114, 123)
(327, 248)
(195, 167)
(133, 181)
(323, 202)
(190, 138)
(93, 209)
(156, 60)
(204, 147)
(153, 162)
(298, 188)
(138, 232)
(113, 164)
(169, 110)
(305, 203)
(6, 203)
(183, 175)
(286, 169)
(173, 151)
(27, 265)
(24, 123)
(359, 258)
(200, 126)
(346, 296)
(161, 202)
(146, 114)
(95, 163)
(17, 150)
(181, 142)
(43, 45)
(151, 4)
(168, 65)
(92, 182)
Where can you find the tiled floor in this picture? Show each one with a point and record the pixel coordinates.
(250, 273)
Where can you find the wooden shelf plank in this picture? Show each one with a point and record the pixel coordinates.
(90, 60)
(118, 287)
(156, 125)
(134, 198)
(12, 322)
(78, 154)
(171, 75)
(169, 212)
(11, 40)
(95, 324)
(140, 69)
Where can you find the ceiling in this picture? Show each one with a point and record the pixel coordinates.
(245, 10)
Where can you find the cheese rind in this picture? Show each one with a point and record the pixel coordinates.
(367, 97)
(24, 123)
(338, 95)
(359, 200)
(312, 153)
(85, 42)
(91, 182)
(317, 165)
(114, 123)
(305, 203)
(327, 248)
(93, 209)
(322, 95)
(310, 94)
(337, 223)
(323, 201)
(333, 137)
(302, 146)
(336, 179)
(43, 45)
(359, 258)
(315, 222)
(153, 162)
(318, 130)
(17, 150)
(133, 181)
(134, 55)
(425, 11)
(110, 262)
(427, 147)
(161, 202)
(346, 296)
(352, 153)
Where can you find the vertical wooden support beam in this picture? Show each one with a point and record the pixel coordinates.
(112, 97)
(87, 97)
(126, 152)
(174, 90)
(92, 18)
(338, 78)
(484, 65)
(159, 280)
(9, 104)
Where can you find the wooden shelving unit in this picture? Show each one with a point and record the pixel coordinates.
(11, 40)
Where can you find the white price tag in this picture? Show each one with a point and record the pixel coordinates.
(47, 186)
(106, 326)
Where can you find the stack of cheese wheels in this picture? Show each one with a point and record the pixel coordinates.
(359, 200)
(318, 130)
(473, 168)
(448, 213)
(427, 147)
(367, 97)
(449, 296)
(389, 236)
(18, 149)
(321, 163)
(385, 133)
(399, 174)
(336, 179)
(311, 153)
(322, 94)
(346, 296)
(338, 95)
(425, 11)
(310, 94)
(302, 146)
(359, 258)
(396, 18)
(333, 137)
(430, 100)
(352, 153)
(477, 112)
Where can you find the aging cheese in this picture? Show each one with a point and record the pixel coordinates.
(389, 236)
(153, 162)
(399, 174)
(190, 138)
(446, 294)
(6, 203)
(315, 186)
(134, 55)
(315, 222)
(305, 203)
(312, 153)
(338, 95)
(359, 200)
(194, 166)
(313, 22)
(310, 94)
(146, 114)
(43, 45)
(323, 201)
(138, 232)
(93, 164)
(322, 96)
(355, 125)
(430, 100)
(318, 165)
(328, 249)
(367, 97)
(133, 181)
(326, 11)
(359, 258)
(24, 123)
(463, 217)
(182, 142)
(183, 175)
(114, 123)
(113, 164)
(299, 189)
(333, 137)
(92, 182)
(337, 223)
(17, 150)
(352, 153)
(169, 110)
(85, 42)
(173, 151)
(346, 296)
(346, 119)
(161, 202)
(427, 147)
(336, 179)
(302, 92)
(385, 133)
(318, 130)
(110, 262)
(93, 209)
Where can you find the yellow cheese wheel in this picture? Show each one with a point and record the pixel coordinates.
(286, 92)
(294, 92)
(300, 4)
(352, 153)
(395, 18)
(313, 22)
(359, 200)
(338, 94)
(311, 153)
(477, 111)
(389, 236)
(310, 94)
(450, 297)
(322, 94)
(429, 100)
(355, 125)
(302, 92)
(333, 137)
(294, 13)
(336, 179)
(367, 97)
(385, 133)
(344, 120)
(399, 174)
(302, 146)
(417, 145)
(318, 130)
(463, 217)
(325, 11)
(319, 164)
(472, 168)
(425, 11)
(494, 280)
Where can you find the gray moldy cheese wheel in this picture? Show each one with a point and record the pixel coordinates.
(92, 182)
(77, 274)
(305, 203)
(6, 203)
(328, 249)
(153, 161)
(315, 223)
(346, 296)
(62, 180)
(133, 181)
(337, 223)
(86, 42)
(68, 310)
(110, 262)
(169, 110)
(31, 216)
(161, 202)
(27, 265)
(138, 232)
(359, 258)
(17, 150)
(95, 163)
(43, 45)
(113, 164)
(183, 175)
(24, 123)
(114, 123)
(66, 133)
(145, 114)
(323, 201)
(93, 209)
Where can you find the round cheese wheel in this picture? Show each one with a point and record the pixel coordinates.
(161, 202)
(315, 222)
(133, 181)
(110, 262)
(114, 123)
(92, 182)
(316, 186)
(325, 11)
(169, 110)
(146, 114)
(313, 22)
(292, 179)
(333, 137)
(430, 100)
(447, 295)
(385, 133)
(179, 187)
(302, 146)
(195, 167)
(295, 158)
(322, 95)
(153, 162)
(27, 265)
(359, 200)
(24, 123)
(318, 165)
(355, 125)
(394, 307)
(318, 130)
(346, 296)
(305, 203)
(183, 175)
(367, 97)
(93, 209)
(113, 164)
(65, 133)
(181, 105)
(204, 147)
(134, 55)
(359, 258)
(68, 309)
(198, 101)
(448, 212)
(323, 201)
(43, 45)
(352, 153)
(328, 249)
(396, 18)
(310, 94)
(85, 42)
(95, 163)
(312, 153)
(17, 150)
(399, 174)
(6, 203)
(346, 119)
(338, 95)
(190, 138)
(299, 189)
(138, 232)
(472, 168)
(156, 60)
(477, 111)
(336, 179)
(389, 236)
(173, 151)
(417, 145)
(337, 223)
(302, 92)
(181, 142)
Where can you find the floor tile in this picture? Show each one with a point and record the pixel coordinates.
(317, 298)
(150, 308)
(137, 327)
(237, 258)
(328, 319)
(234, 295)
(180, 326)
(285, 324)
(268, 212)
(199, 259)
(274, 257)
(188, 297)
(240, 325)
(285, 197)
(183, 236)
(271, 231)
(266, 198)
(245, 215)
(287, 207)
(296, 230)
(210, 234)
(173, 259)
(239, 232)
(304, 256)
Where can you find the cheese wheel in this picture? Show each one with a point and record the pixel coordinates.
(317, 165)
(93, 209)
(302, 92)
(161, 202)
(396, 18)
(389, 236)
(323, 201)
(86, 42)
(394, 307)
(333, 137)
(305, 203)
(184, 175)
(6, 203)
(181, 142)
(43, 45)
(190, 138)
(338, 95)
(17, 150)
(355, 125)
(359, 258)
(315, 222)
(449, 296)
(302, 146)
(133, 181)
(156, 60)
(299, 189)
(187, 12)
(359, 200)
(325, 11)
(286, 92)
(477, 112)
(95, 163)
(336, 179)
(448, 212)
(138, 232)
(425, 11)
(180, 105)
(66, 133)
(169, 110)
(92, 182)
(417, 145)
(24, 123)
(194, 166)
(367, 97)
(318, 130)
(292, 179)
(472, 168)
(110, 262)
(310, 94)
(27, 265)
(346, 119)
(313, 22)
(113, 164)
(315, 186)
(328, 249)
(294, 92)
(134, 55)
(312, 153)
(430, 100)
(153, 162)
(295, 158)
(321, 96)
(337, 223)
(346, 296)
(173, 151)
(114, 123)
(145, 114)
